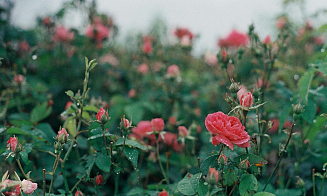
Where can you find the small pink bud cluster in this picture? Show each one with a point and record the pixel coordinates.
(182, 131)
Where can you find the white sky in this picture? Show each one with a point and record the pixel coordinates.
(210, 19)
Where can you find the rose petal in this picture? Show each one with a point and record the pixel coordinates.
(222, 139)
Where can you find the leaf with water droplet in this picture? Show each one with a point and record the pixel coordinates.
(132, 155)
(103, 162)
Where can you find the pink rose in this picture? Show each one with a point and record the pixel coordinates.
(211, 59)
(319, 40)
(173, 70)
(246, 100)
(68, 104)
(172, 120)
(267, 40)
(185, 41)
(12, 144)
(19, 79)
(62, 34)
(127, 124)
(28, 187)
(98, 179)
(131, 93)
(147, 47)
(157, 124)
(163, 193)
(97, 31)
(213, 175)
(181, 32)
(182, 131)
(143, 68)
(79, 193)
(24, 46)
(62, 136)
(281, 22)
(102, 115)
(142, 129)
(227, 130)
(234, 39)
(171, 140)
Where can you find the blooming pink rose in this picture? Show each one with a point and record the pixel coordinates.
(147, 47)
(319, 40)
(182, 131)
(142, 129)
(227, 130)
(246, 100)
(102, 113)
(163, 193)
(213, 175)
(181, 32)
(173, 70)
(28, 187)
(143, 68)
(63, 34)
(132, 93)
(234, 39)
(12, 144)
(97, 31)
(171, 140)
(109, 58)
(267, 40)
(62, 136)
(157, 124)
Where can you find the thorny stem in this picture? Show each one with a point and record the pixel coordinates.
(21, 168)
(281, 156)
(55, 165)
(44, 183)
(160, 164)
(77, 183)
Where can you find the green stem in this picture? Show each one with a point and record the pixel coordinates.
(281, 156)
(44, 182)
(116, 184)
(55, 165)
(160, 164)
(77, 183)
(322, 183)
(21, 168)
(313, 182)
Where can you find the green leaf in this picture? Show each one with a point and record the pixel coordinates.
(134, 112)
(293, 192)
(210, 161)
(99, 136)
(203, 188)
(89, 165)
(97, 143)
(70, 93)
(129, 142)
(136, 191)
(310, 110)
(103, 162)
(189, 186)
(323, 68)
(15, 130)
(40, 112)
(91, 108)
(24, 154)
(230, 176)
(264, 194)
(132, 155)
(92, 64)
(70, 125)
(248, 184)
(253, 159)
(304, 84)
(317, 126)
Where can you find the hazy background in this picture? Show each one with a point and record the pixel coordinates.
(210, 19)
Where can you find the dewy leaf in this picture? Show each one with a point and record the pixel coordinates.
(132, 155)
(129, 142)
(248, 184)
(203, 188)
(103, 162)
(40, 112)
(70, 93)
(210, 161)
(255, 161)
(264, 194)
(230, 175)
(24, 154)
(189, 186)
(89, 165)
(304, 84)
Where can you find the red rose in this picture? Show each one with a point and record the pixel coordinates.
(79, 193)
(227, 130)
(98, 179)
(234, 39)
(12, 144)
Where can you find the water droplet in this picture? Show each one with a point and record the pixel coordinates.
(322, 50)
(34, 57)
(77, 104)
(205, 183)
(314, 121)
(296, 77)
(230, 61)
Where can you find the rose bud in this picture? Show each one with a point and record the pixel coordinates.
(246, 100)
(98, 180)
(222, 159)
(79, 193)
(172, 120)
(127, 124)
(163, 193)
(102, 116)
(182, 131)
(12, 144)
(244, 164)
(157, 124)
(28, 187)
(213, 176)
(62, 136)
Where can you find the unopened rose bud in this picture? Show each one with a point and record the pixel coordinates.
(163, 193)
(12, 144)
(298, 109)
(234, 87)
(245, 164)
(246, 100)
(28, 187)
(222, 160)
(79, 193)
(182, 131)
(98, 179)
(62, 136)
(213, 176)
(102, 116)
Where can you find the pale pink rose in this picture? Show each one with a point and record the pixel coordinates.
(19, 79)
(246, 100)
(98, 32)
(173, 70)
(28, 187)
(227, 130)
(63, 34)
(211, 59)
(147, 47)
(157, 124)
(143, 69)
(110, 59)
(319, 40)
